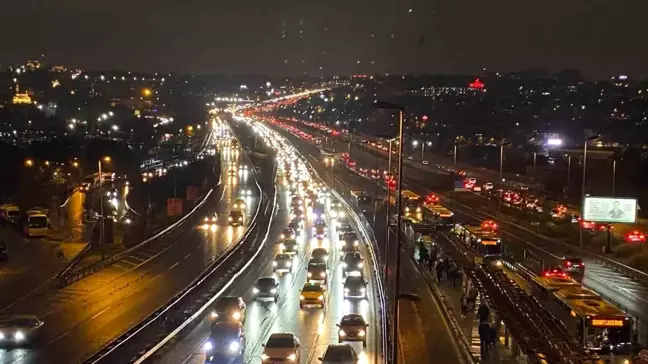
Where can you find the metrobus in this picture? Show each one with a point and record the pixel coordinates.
(439, 216)
(411, 205)
(34, 223)
(486, 243)
(598, 325)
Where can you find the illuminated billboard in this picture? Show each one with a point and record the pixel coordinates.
(610, 209)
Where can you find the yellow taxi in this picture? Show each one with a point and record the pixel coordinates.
(312, 294)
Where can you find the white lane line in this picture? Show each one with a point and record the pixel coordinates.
(173, 266)
(99, 313)
(187, 256)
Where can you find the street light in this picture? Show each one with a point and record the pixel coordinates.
(390, 106)
(106, 159)
(593, 137)
(29, 162)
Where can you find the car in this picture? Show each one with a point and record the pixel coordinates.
(353, 328)
(296, 225)
(573, 265)
(231, 173)
(488, 186)
(316, 271)
(239, 204)
(20, 329)
(281, 348)
(355, 287)
(297, 214)
(282, 263)
(319, 254)
(246, 192)
(344, 228)
(349, 243)
(289, 246)
(339, 354)
(235, 218)
(319, 232)
(243, 168)
(266, 287)
(312, 294)
(210, 222)
(352, 263)
(4, 252)
(425, 162)
(287, 233)
(226, 340)
(228, 308)
(472, 180)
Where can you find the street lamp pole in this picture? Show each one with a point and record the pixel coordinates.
(501, 162)
(580, 235)
(614, 178)
(454, 155)
(385, 105)
(568, 171)
(101, 211)
(534, 163)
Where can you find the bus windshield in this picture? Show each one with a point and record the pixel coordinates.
(491, 249)
(600, 338)
(37, 221)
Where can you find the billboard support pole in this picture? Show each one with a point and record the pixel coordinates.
(608, 246)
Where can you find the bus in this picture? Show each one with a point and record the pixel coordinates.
(439, 216)
(411, 205)
(34, 223)
(486, 243)
(598, 325)
(10, 213)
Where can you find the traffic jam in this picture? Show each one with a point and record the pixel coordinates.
(319, 238)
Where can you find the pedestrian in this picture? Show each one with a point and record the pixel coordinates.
(439, 270)
(464, 305)
(484, 335)
(492, 338)
(431, 263)
(483, 312)
(456, 276)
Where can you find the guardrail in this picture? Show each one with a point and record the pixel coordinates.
(160, 313)
(374, 256)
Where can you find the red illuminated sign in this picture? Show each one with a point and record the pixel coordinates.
(476, 84)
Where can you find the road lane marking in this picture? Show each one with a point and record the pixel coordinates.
(187, 256)
(173, 266)
(99, 313)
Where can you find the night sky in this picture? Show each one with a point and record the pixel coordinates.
(601, 38)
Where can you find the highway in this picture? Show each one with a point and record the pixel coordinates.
(424, 336)
(83, 317)
(628, 294)
(315, 327)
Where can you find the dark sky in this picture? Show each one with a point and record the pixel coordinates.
(601, 38)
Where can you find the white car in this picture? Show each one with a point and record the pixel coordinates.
(488, 186)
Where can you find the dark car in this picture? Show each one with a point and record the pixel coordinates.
(573, 265)
(355, 287)
(287, 233)
(20, 329)
(289, 246)
(229, 308)
(266, 287)
(282, 263)
(352, 263)
(343, 229)
(319, 254)
(349, 243)
(316, 271)
(226, 340)
(235, 218)
(339, 354)
(353, 328)
(295, 225)
(4, 251)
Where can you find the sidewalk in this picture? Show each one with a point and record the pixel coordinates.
(469, 324)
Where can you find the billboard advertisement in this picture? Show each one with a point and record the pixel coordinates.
(610, 209)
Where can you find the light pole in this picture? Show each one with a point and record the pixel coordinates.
(502, 145)
(568, 171)
(454, 155)
(386, 105)
(594, 137)
(614, 177)
(534, 163)
(101, 207)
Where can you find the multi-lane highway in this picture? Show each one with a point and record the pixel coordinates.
(629, 294)
(425, 335)
(83, 317)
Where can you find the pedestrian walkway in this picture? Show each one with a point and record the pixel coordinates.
(469, 323)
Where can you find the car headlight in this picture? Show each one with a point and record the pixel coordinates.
(282, 246)
(360, 265)
(498, 263)
(320, 297)
(208, 346)
(356, 243)
(229, 218)
(418, 209)
(341, 333)
(323, 274)
(346, 290)
(255, 290)
(234, 346)
(363, 290)
(309, 274)
(361, 333)
(344, 265)
(1, 335)
(292, 357)
(206, 219)
(240, 219)
(273, 291)
(205, 226)
(274, 264)
(283, 236)
(407, 209)
(264, 356)
(214, 314)
(19, 336)
(301, 297)
(236, 315)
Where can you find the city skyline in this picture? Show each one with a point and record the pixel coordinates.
(329, 39)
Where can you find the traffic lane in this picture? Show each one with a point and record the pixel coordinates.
(420, 334)
(32, 261)
(75, 330)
